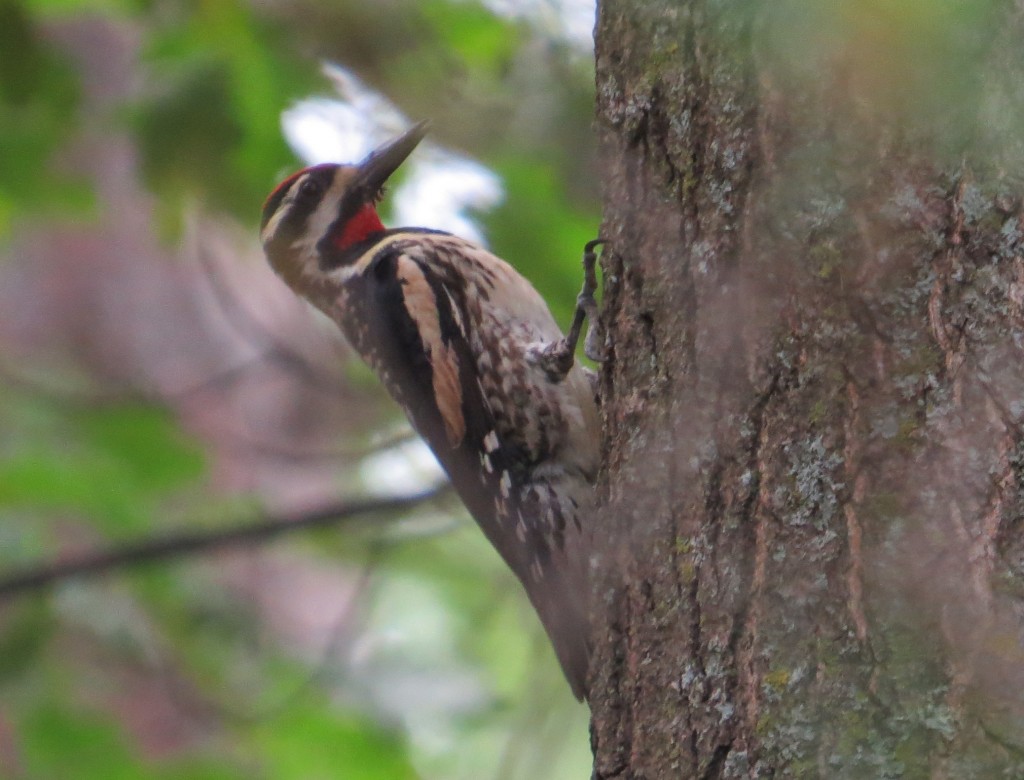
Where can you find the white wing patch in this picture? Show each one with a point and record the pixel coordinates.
(421, 304)
(457, 315)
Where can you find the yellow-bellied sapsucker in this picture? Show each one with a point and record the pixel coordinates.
(471, 352)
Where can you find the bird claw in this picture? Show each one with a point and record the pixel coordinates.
(557, 359)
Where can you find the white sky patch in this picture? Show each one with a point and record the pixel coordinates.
(439, 187)
(323, 130)
(571, 20)
(406, 468)
(345, 129)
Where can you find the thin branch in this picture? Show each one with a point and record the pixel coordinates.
(240, 442)
(258, 531)
(236, 440)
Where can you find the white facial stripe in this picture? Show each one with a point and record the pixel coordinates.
(324, 215)
(282, 209)
(346, 272)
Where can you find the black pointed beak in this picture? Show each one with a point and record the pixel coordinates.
(384, 160)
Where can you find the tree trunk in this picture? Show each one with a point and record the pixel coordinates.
(813, 392)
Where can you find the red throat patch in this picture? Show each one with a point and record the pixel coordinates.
(364, 224)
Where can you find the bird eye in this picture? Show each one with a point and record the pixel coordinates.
(310, 188)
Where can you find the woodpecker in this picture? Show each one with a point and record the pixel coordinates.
(470, 351)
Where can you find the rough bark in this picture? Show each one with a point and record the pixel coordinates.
(813, 396)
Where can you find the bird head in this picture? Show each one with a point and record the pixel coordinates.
(314, 219)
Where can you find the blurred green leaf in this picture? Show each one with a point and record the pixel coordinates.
(482, 41)
(311, 741)
(59, 742)
(114, 464)
(38, 100)
(187, 134)
(211, 126)
(24, 630)
(146, 441)
(48, 481)
(62, 8)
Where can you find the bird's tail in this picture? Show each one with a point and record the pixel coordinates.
(562, 603)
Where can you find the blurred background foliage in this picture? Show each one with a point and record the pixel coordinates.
(156, 379)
